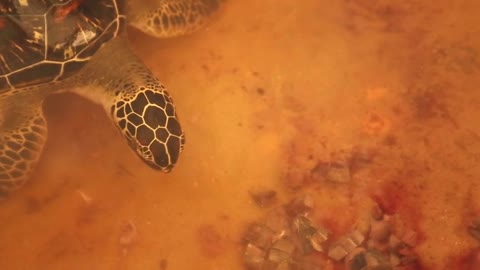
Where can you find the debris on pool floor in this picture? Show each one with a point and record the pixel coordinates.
(287, 238)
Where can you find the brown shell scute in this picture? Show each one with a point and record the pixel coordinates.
(44, 41)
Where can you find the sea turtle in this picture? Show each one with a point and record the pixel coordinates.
(49, 46)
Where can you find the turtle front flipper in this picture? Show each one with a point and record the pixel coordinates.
(137, 102)
(23, 134)
(170, 18)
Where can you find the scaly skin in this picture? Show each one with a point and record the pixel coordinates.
(22, 137)
(170, 18)
(137, 102)
(114, 77)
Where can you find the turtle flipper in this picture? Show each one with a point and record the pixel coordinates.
(169, 18)
(23, 134)
(137, 102)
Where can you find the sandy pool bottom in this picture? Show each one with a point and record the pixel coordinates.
(269, 91)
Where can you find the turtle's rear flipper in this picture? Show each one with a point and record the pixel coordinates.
(23, 134)
(170, 18)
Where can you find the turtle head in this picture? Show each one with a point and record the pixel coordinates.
(148, 121)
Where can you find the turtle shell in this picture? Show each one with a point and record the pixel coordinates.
(44, 41)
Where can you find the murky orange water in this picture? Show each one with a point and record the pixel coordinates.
(269, 89)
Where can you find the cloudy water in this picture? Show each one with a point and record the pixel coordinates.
(342, 106)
